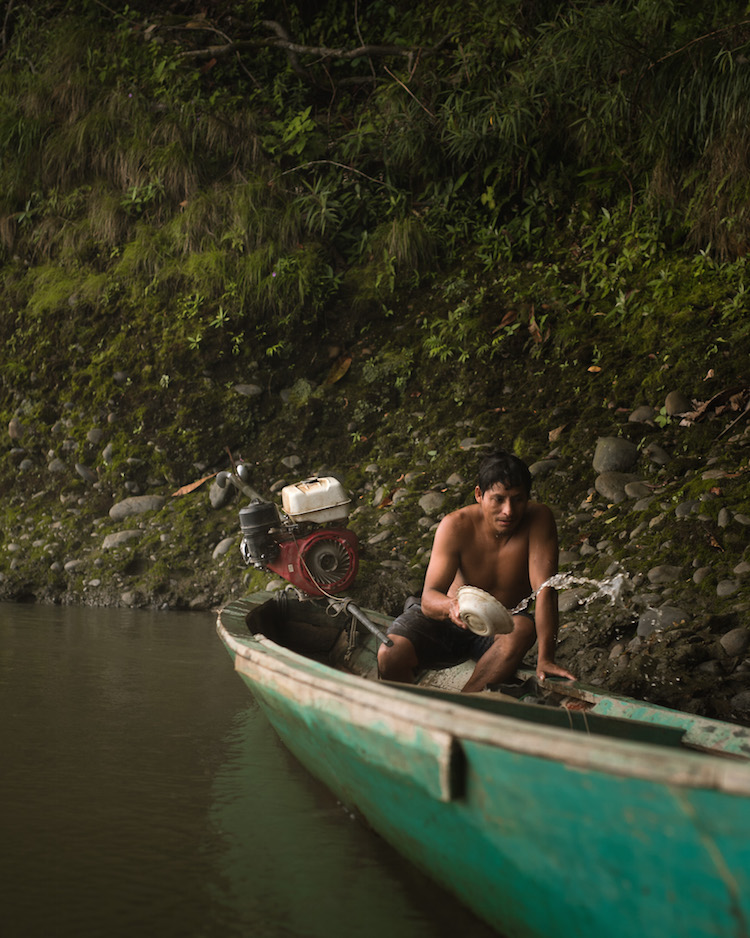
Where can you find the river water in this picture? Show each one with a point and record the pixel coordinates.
(143, 792)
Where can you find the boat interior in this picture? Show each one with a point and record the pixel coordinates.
(329, 634)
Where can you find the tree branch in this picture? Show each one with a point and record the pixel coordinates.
(282, 41)
(716, 32)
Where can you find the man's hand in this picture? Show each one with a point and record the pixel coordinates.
(454, 615)
(550, 669)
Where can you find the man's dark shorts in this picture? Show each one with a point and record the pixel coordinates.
(438, 642)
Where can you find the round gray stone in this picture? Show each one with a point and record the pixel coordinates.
(86, 474)
(248, 390)
(726, 588)
(657, 620)
(613, 454)
(657, 454)
(135, 505)
(611, 485)
(542, 468)
(223, 547)
(642, 414)
(118, 538)
(432, 503)
(637, 489)
(736, 641)
(219, 495)
(676, 403)
(664, 573)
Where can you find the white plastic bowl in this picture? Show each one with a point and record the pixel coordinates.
(482, 613)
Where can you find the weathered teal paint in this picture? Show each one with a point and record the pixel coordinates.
(539, 829)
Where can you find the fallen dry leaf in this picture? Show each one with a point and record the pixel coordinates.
(338, 370)
(534, 330)
(508, 319)
(192, 486)
(555, 434)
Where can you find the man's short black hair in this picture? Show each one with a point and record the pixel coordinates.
(501, 466)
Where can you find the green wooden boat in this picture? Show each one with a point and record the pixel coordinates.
(601, 817)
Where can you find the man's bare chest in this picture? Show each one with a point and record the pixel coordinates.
(498, 567)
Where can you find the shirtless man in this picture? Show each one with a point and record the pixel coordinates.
(505, 544)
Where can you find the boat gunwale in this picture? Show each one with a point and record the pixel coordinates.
(608, 755)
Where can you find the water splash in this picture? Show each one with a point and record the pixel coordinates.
(611, 588)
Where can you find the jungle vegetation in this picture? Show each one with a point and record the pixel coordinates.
(216, 189)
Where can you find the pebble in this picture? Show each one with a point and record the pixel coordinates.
(657, 454)
(676, 403)
(135, 505)
(725, 588)
(223, 547)
(388, 518)
(543, 467)
(248, 390)
(665, 573)
(611, 485)
(568, 600)
(86, 474)
(637, 489)
(614, 454)
(220, 495)
(118, 538)
(642, 414)
(741, 702)
(684, 509)
(16, 429)
(432, 503)
(736, 641)
(657, 620)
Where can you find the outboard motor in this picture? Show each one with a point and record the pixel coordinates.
(317, 561)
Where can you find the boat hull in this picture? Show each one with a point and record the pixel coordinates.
(535, 832)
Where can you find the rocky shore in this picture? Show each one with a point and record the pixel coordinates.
(652, 503)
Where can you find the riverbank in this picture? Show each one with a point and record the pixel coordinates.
(655, 494)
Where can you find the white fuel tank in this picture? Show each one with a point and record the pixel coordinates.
(319, 500)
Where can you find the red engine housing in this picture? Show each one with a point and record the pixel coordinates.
(319, 563)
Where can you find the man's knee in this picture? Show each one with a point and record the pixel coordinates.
(398, 659)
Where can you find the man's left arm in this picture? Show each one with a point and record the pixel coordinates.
(543, 560)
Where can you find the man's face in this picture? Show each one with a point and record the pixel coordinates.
(503, 508)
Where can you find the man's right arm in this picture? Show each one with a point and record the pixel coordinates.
(438, 600)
